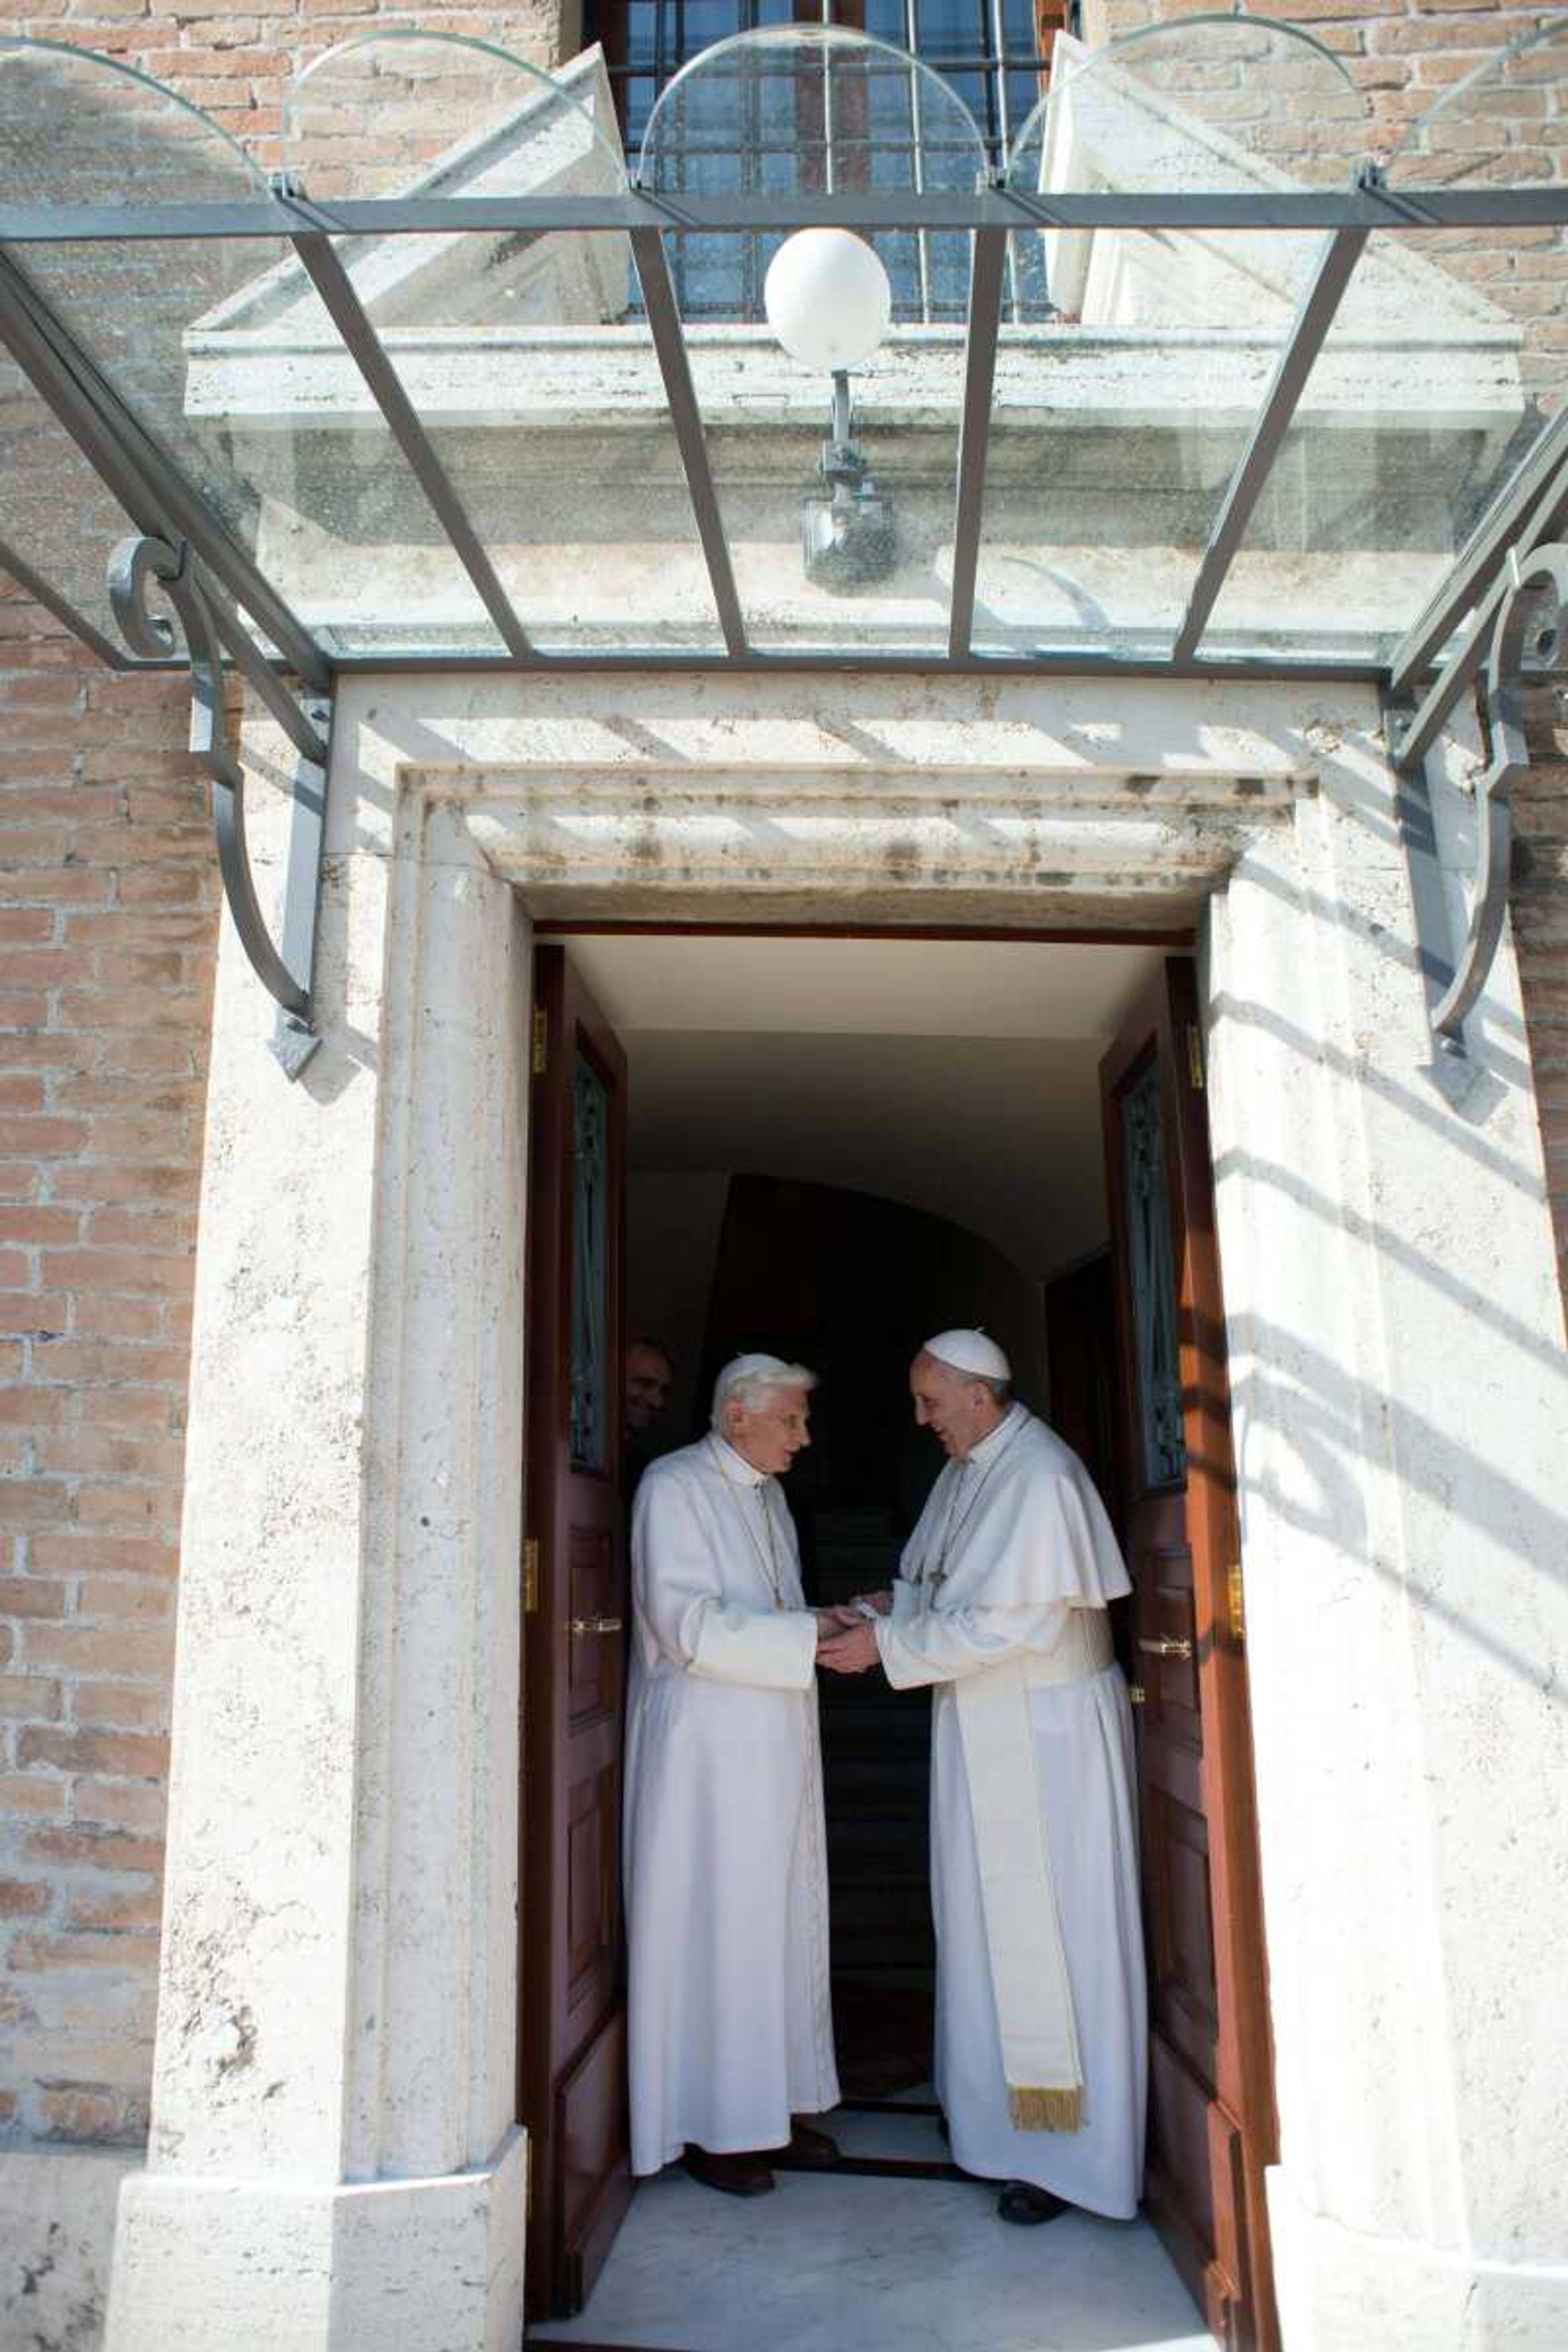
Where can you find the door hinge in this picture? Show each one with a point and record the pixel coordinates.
(1235, 1602)
(541, 1041)
(1195, 1056)
(529, 1575)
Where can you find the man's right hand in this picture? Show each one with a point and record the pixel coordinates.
(882, 1603)
(851, 1651)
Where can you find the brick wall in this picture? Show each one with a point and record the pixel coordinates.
(108, 908)
(1402, 55)
(235, 58)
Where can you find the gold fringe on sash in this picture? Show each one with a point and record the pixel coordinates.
(1040, 2110)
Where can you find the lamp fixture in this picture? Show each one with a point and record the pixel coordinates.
(829, 303)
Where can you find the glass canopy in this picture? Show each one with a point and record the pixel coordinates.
(1203, 385)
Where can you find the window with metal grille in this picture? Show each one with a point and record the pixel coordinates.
(993, 54)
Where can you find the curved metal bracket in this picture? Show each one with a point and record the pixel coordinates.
(138, 568)
(1522, 631)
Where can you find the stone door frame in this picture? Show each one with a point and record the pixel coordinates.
(333, 2157)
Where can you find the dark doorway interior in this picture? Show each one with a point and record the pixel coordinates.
(850, 1284)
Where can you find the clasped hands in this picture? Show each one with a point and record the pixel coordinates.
(845, 1638)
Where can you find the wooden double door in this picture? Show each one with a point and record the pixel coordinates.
(1211, 2128)
(1210, 2100)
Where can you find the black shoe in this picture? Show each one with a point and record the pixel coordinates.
(745, 2175)
(1022, 2203)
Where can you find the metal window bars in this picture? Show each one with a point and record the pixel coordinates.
(969, 43)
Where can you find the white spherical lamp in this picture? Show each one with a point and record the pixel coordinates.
(827, 299)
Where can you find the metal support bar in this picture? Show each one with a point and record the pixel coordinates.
(1476, 565)
(1450, 1070)
(1411, 735)
(149, 488)
(294, 1040)
(675, 366)
(41, 593)
(1048, 661)
(1336, 265)
(987, 265)
(333, 283)
(1412, 739)
(1401, 212)
(137, 568)
(261, 678)
(1522, 628)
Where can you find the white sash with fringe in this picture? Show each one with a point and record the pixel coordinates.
(1023, 1926)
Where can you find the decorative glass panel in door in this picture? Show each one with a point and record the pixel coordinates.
(590, 1268)
(1153, 1280)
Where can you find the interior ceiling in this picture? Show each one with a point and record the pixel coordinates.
(960, 1077)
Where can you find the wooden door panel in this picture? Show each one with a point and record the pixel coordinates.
(1173, 1767)
(1211, 2124)
(1192, 1979)
(1187, 1986)
(592, 1874)
(574, 1643)
(1181, 1943)
(1172, 1685)
(1203, 2152)
(595, 2186)
(1167, 1612)
(595, 1654)
(1181, 2145)
(1227, 2165)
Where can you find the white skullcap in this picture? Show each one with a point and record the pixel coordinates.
(972, 1353)
(747, 1373)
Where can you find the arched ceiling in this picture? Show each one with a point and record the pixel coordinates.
(960, 1077)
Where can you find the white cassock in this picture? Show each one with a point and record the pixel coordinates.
(1009, 1569)
(726, 1871)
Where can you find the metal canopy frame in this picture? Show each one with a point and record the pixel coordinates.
(1368, 204)
(212, 581)
(150, 488)
(164, 504)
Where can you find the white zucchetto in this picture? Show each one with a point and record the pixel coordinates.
(971, 1352)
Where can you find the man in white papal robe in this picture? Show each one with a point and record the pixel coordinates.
(730, 2020)
(1042, 2036)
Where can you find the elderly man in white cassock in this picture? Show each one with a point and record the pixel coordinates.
(1000, 1602)
(730, 2020)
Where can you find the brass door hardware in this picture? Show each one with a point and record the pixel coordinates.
(1166, 1648)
